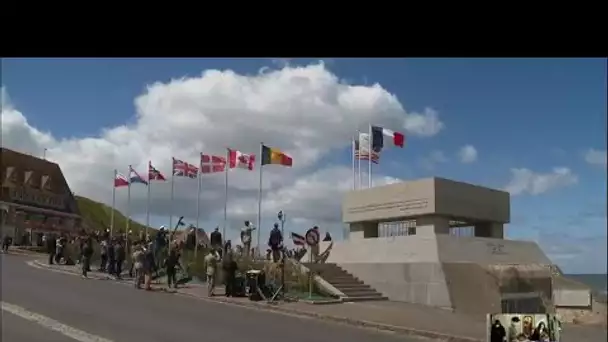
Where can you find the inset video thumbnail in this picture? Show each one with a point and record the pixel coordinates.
(522, 327)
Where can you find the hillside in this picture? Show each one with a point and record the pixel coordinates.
(97, 216)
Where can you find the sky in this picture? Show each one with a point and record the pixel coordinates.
(533, 127)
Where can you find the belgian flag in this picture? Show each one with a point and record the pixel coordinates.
(275, 156)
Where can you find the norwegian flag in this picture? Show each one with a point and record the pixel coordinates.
(212, 164)
(154, 174)
(120, 180)
(183, 169)
(241, 160)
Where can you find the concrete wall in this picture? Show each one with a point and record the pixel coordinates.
(398, 249)
(420, 283)
(572, 298)
(458, 199)
(388, 202)
(463, 273)
(426, 197)
(487, 251)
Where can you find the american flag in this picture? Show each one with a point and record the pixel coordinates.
(183, 169)
(211, 164)
(364, 155)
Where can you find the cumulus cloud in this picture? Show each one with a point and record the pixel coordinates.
(467, 154)
(525, 181)
(304, 110)
(596, 157)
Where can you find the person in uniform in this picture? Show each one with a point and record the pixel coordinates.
(275, 242)
(246, 232)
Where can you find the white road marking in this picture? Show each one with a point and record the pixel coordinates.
(51, 324)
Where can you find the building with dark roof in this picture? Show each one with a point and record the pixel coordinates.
(35, 198)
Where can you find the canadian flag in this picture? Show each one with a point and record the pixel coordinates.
(240, 160)
(211, 164)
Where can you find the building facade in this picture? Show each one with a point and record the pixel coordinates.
(35, 199)
(426, 207)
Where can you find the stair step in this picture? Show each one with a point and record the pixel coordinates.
(353, 289)
(360, 299)
(369, 293)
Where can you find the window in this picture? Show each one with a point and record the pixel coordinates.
(462, 231)
(397, 228)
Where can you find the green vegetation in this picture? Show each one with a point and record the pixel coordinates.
(97, 216)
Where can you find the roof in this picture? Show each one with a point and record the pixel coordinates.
(25, 162)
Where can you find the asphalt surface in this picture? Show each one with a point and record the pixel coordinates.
(117, 312)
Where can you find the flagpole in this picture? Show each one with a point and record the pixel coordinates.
(113, 202)
(359, 161)
(148, 200)
(198, 210)
(172, 188)
(353, 147)
(259, 227)
(226, 168)
(369, 160)
(128, 202)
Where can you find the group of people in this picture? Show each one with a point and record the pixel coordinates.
(540, 333)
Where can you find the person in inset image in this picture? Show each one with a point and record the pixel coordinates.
(527, 326)
(540, 330)
(497, 332)
(514, 329)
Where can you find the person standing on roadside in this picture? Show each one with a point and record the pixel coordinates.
(120, 255)
(87, 253)
(230, 267)
(211, 266)
(103, 245)
(51, 247)
(149, 266)
(215, 239)
(138, 265)
(171, 266)
(112, 257)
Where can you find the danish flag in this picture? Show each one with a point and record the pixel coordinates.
(211, 164)
(241, 160)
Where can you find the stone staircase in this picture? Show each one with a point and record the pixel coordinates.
(353, 288)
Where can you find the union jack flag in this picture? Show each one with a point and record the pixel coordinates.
(183, 169)
(154, 174)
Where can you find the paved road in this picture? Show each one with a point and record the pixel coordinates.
(120, 313)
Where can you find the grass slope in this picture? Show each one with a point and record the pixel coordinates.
(97, 216)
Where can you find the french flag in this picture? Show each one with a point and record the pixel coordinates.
(378, 134)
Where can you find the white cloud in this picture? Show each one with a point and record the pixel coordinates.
(527, 181)
(305, 111)
(596, 157)
(467, 154)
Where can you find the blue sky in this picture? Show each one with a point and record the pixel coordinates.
(536, 114)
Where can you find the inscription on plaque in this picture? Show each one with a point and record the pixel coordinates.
(496, 248)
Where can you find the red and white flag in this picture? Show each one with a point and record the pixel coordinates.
(183, 169)
(212, 164)
(120, 180)
(241, 160)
